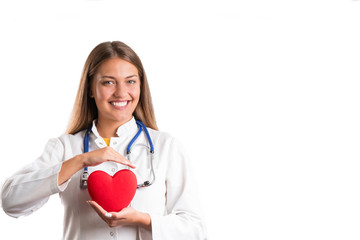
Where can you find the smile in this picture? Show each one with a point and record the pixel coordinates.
(120, 104)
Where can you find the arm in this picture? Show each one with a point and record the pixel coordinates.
(28, 189)
(93, 158)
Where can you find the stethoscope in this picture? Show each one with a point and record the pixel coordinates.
(141, 126)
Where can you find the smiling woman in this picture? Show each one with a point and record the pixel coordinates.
(113, 108)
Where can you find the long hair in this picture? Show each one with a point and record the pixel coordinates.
(85, 110)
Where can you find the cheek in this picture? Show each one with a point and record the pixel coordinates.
(135, 93)
(102, 93)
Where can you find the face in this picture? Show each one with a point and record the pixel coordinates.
(116, 90)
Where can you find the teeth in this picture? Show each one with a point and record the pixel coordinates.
(119, 104)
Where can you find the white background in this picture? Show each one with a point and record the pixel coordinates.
(264, 94)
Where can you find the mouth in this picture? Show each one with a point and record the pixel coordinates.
(119, 104)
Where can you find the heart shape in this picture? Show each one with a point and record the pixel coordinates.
(112, 193)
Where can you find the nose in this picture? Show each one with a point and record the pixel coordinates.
(120, 90)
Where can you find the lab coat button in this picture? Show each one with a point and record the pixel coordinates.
(113, 169)
(112, 234)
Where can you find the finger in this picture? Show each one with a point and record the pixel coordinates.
(123, 214)
(122, 161)
(97, 207)
(99, 210)
(117, 157)
(126, 162)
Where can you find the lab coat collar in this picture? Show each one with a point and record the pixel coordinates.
(127, 127)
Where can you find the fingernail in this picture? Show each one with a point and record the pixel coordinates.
(108, 215)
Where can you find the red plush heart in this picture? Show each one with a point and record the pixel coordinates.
(112, 193)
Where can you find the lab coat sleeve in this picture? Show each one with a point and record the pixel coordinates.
(182, 220)
(30, 188)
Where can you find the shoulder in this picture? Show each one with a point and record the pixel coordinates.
(71, 137)
(67, 140)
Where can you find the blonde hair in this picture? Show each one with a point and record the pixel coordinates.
(85, 110)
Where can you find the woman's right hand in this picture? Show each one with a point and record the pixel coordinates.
(105, 154)
(93, 158)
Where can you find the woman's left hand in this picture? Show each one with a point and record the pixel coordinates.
(127, 216)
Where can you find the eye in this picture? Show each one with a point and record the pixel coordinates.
(107, 82)
(131, 81)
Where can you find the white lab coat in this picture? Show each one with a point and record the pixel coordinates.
(171, 201)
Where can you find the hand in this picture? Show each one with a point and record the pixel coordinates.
(105, 154)
(127, 216)
(93, 158)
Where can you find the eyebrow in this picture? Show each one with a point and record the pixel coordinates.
(108, 77)
(111, 77)
(131, 76)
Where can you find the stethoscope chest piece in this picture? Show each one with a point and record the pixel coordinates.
(83, 179)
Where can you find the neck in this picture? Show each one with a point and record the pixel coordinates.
(108, 129)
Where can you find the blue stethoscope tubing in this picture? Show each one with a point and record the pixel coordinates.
(141, 127)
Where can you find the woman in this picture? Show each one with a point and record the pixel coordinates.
(112, 95)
